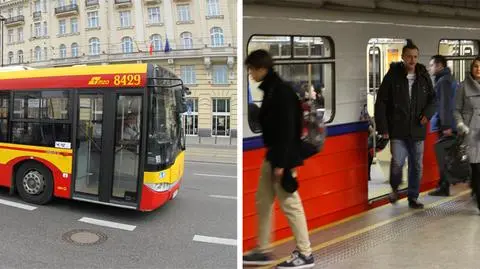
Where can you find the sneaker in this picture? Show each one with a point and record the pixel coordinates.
(439, 192)
(393, 197)
(414, 204)
(257, 258)
(298, 261)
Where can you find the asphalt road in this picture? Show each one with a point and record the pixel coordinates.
(204, 210)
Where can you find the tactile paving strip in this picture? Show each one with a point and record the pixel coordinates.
(358, 244)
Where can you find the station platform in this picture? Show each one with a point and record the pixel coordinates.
(444, 234)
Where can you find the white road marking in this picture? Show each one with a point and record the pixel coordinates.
(215, 240)
(110, 224)
(223, 197)
(211, 175)
(17, 205)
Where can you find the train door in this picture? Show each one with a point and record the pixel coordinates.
(380, 53)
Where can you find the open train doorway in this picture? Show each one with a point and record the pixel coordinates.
(380, 53)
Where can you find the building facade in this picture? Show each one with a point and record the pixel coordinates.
(196, 39)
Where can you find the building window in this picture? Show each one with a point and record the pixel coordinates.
(220, 74)
(459, 54)
(125, 19)
(10, 13)
(62, 27)
(63, 51)
(38, 53)
(300, 66)
(74, 50)
(10, 57)
(94, 46)
(20, 56)
(153, 15)
(183, 13)
(156, 42)
(20, 34)
(190, 118)
(221, 116)
(38, 29)
(20, 11)
(45, 29)
(187, 40)
(41, 118)
(45, 52)
(74, 25)
(127, 45)
(187, 73)
(38, 6)
(92, 19)
(213, 8)
(11, 36)
(216, 35)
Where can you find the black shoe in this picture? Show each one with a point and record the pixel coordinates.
(298, 261)
(413, 203)
(393, 197)
(439, 192)
(257, 258)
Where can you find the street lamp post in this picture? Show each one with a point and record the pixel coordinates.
(2, 20)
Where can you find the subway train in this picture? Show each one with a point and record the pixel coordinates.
(343, 51)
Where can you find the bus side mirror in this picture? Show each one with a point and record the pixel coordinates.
(181, 101)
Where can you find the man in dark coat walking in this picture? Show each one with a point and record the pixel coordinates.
(280, 121)
(405, 103)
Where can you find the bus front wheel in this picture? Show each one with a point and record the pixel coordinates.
(34, 183)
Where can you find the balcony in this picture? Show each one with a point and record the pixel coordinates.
(67, 10)
(123, 3)
(37, 15)
(91, 3)
(15, 21)
(152, 2)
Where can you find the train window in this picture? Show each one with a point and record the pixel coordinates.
(459, 54)
(303, 62)
(311, 47)
(278, 46)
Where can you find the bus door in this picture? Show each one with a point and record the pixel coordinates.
(108, 140)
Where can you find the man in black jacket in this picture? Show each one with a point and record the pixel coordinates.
(280, 121)
(443, 121)
(405, 103)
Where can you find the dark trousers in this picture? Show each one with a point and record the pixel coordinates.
(475, 183)
(441, 151)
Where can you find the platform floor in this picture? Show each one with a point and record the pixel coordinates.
(446, 234)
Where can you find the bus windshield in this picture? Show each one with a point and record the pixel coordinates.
(164, 124)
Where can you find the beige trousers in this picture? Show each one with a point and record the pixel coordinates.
(291, 205)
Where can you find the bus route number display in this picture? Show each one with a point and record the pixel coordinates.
(127, 80)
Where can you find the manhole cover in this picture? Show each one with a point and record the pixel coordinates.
(84, 237)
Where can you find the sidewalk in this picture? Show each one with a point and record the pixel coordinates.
(218, 153)
(219, 140)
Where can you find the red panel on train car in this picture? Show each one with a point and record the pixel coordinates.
(333, 184)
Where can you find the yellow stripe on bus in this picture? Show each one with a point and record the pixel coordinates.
(61, 158)
(76, 71)
(169, 175)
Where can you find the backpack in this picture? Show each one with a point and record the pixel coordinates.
(314, 130)
(457, 163)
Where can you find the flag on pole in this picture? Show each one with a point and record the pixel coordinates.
(150, 48)
(167, 45)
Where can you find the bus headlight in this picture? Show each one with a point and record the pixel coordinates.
(159, 187)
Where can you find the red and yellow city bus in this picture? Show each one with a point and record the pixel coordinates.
(108, 134)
